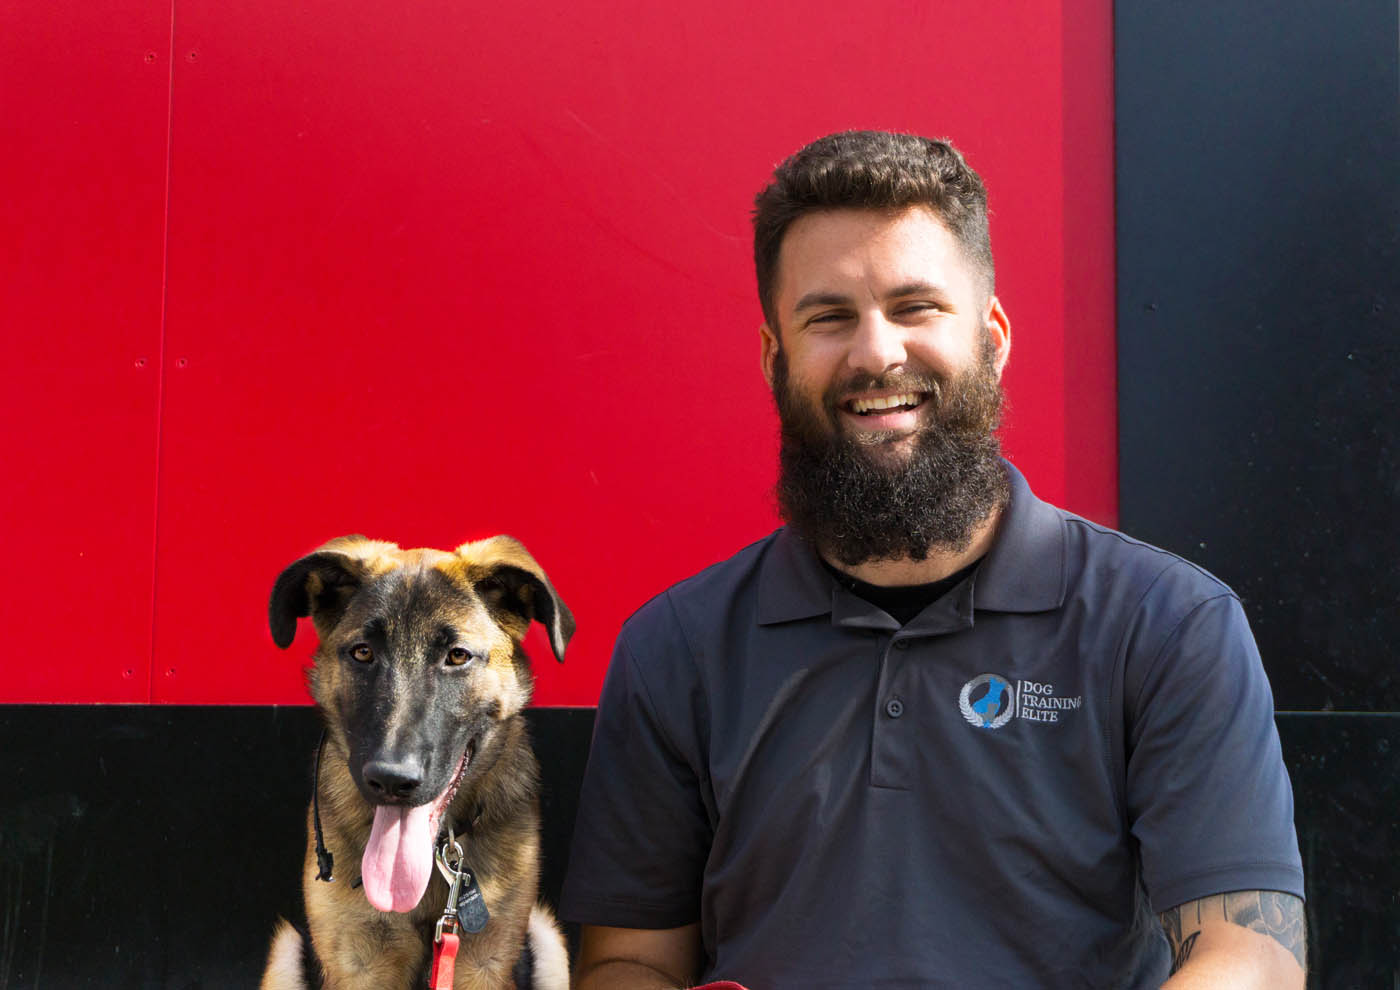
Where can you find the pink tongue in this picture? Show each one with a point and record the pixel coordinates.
(398, 860)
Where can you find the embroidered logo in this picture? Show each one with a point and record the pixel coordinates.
(989, 701)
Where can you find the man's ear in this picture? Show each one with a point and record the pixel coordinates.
(506, 576)
(999, 329)
(768, 356)
(320, 585)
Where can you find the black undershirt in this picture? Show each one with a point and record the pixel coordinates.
(902, 602)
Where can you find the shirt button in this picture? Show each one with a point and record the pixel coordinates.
(894, 708)
(901, 644)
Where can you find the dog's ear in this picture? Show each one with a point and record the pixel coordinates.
(320, 585)
(505, 574)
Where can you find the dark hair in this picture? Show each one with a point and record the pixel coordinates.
(870, 170)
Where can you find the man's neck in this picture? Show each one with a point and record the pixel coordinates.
(940, 563)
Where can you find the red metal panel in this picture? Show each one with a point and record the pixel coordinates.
(83, 115)
(1091, 372)
(442, 270)
(445, 270)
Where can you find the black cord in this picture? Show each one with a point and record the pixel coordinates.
(324, 860)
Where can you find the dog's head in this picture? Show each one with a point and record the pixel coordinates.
(419, 665)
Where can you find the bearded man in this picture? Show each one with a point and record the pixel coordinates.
(934, 732)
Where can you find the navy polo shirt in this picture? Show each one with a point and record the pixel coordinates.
(1003, 792)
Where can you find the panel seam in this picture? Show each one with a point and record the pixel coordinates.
(160, 356)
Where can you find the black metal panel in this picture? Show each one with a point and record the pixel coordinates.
(1346, 784)
(155, 847)
(1258, 156)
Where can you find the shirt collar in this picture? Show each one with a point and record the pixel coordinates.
(1023, 572)
(792, 584)
(1025, 569)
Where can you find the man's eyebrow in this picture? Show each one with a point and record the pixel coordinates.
(812, 299)
(915, 288)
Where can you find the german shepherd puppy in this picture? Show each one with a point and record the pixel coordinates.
(421, 681)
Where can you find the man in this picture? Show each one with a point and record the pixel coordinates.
(934, 732)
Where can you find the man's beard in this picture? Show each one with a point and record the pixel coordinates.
(858, 503)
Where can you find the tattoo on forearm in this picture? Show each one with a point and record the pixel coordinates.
(1279, 916)
(1181, 947)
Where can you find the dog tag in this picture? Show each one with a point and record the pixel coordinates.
(471, 906)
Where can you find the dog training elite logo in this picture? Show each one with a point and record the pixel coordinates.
(989, 701)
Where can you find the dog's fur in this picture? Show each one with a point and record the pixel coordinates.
(394, 689)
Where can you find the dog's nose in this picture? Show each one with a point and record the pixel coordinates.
(393, 781)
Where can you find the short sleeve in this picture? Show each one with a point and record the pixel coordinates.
(642, 833)
(1209, 800)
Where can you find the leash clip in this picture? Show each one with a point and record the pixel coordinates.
(446, 925)
(451, 872)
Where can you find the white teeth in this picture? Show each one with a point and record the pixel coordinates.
(888, 402)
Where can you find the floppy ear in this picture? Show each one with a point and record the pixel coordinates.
(506, 575)
(320, 585)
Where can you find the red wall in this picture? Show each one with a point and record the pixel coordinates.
(278, 272)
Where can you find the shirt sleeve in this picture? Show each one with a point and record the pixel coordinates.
(1209, 800)
(643, 833)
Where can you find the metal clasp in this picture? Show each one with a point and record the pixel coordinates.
(449, 863)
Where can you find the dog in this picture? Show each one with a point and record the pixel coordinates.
(421, 681)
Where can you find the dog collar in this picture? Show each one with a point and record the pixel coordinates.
(324, 860)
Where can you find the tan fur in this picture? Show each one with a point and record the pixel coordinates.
(283, 959)
(359, 947)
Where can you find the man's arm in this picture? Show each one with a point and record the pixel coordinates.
(637, 958)
(1241, 940)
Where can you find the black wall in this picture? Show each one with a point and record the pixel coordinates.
(145, 848)
(1258, 183)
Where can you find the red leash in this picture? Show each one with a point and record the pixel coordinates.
(446, 941)
(444, 961)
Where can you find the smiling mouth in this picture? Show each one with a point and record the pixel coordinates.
(885, 404)
(450, 792)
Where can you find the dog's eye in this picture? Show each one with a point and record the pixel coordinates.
(361, 652)
(457, 656)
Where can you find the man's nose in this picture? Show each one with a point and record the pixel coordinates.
(878, 345)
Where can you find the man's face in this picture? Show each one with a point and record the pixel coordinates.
(886, 372)
(877, 313)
